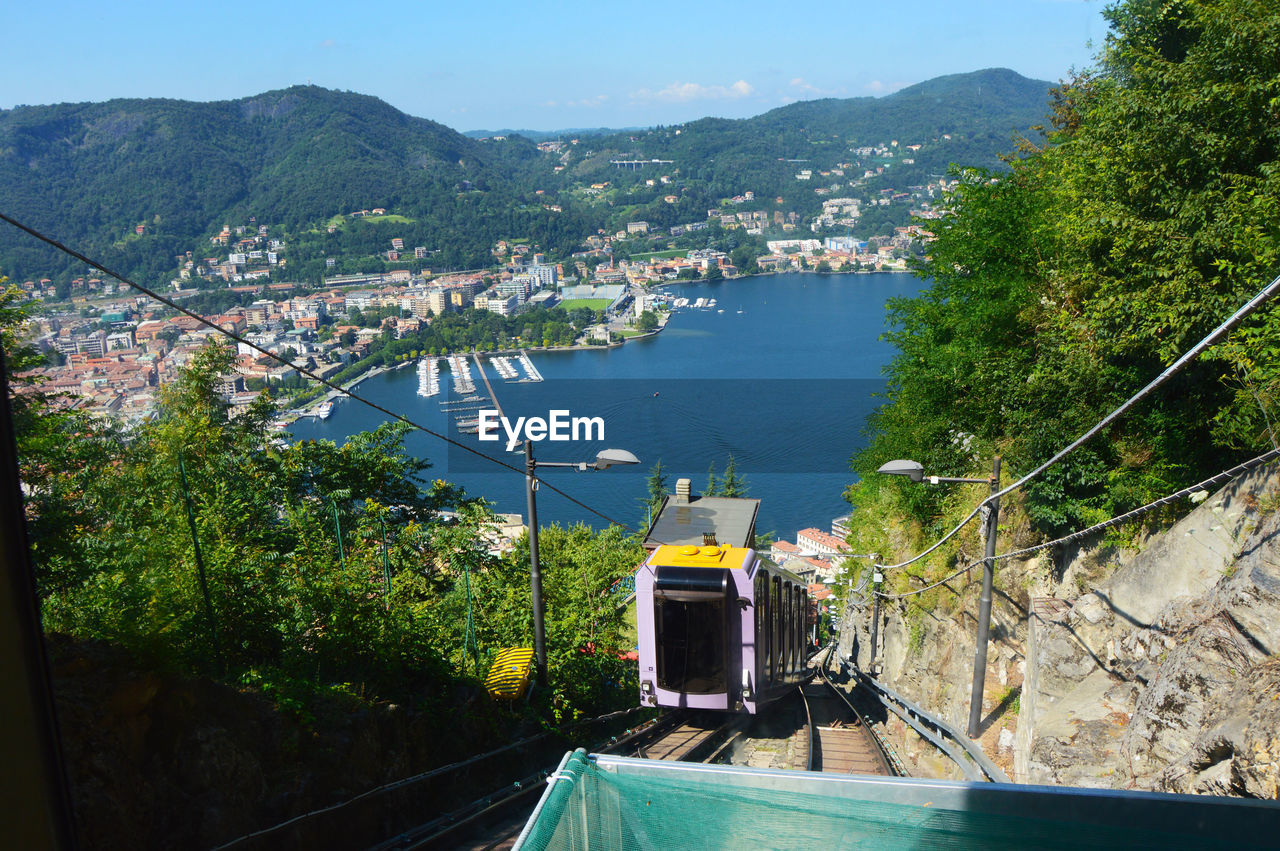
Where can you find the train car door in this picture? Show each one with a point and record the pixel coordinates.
(691, 625)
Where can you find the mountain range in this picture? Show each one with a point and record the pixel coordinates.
(93, 174)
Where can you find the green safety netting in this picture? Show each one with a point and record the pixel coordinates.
(615, 803)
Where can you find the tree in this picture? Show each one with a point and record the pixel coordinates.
(1061, 286)
(731, 484)
(714, 273)
(647, 321)
(656, 490)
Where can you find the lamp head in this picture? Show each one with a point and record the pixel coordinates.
(609, 457)
(913, 470)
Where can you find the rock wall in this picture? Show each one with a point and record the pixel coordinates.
(928, 656)
(1150, 669)
(1161, 676)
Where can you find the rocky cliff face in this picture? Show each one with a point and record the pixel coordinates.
(1162, 676)
(1147, 670)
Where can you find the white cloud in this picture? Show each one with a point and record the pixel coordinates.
(805, 86)
(588, 102)
(679, 92)
(329, 42)
(879, 87)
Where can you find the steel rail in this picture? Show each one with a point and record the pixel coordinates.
(915, 715)
(892, 763)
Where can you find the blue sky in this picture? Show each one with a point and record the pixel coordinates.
(543, 66)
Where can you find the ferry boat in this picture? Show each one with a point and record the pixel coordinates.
(324, 410)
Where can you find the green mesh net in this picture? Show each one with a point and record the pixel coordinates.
(618, 805)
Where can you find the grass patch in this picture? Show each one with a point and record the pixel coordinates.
(593, 303)
(389, 218)
(627, 332)
(645, 255)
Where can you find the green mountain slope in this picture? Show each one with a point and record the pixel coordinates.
(90, 174)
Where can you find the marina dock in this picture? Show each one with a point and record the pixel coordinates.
(461, 370)
(429, 376)
(530, 370)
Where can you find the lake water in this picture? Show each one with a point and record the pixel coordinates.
(781, 375)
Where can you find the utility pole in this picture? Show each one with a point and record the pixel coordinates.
(984, 606)
(535, 571)
(876, 578)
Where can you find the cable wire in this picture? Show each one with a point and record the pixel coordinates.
(1212, 481)
(1195, 351)
(302, 370)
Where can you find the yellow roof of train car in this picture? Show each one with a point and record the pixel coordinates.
(673, 555)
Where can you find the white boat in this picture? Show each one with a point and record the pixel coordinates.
(504, 367)
(462, 382)
(324, 410)
(529, 369)
(428, 376)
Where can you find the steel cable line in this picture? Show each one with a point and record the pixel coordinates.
(1212, 481)
(309, 374)
(1212, 337)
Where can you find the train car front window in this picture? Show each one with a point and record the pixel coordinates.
(691, 645)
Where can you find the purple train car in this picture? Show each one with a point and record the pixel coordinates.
(719, 627)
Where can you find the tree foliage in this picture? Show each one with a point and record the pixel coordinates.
(198, 542)
(1066, 284)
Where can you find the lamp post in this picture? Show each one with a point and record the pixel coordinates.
(604, 459)
(915, 472)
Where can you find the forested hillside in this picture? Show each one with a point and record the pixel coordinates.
(969, 119)
(91, 174)
(1061, 287)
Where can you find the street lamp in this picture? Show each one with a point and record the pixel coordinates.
(915, 472)
(604, 459)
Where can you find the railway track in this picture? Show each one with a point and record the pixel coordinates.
(839, 740)
(817, 729)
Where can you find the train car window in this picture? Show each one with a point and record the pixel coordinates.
(787, 628)
(801, 626)
(775, 630)
(691, 645)
(763, 644)
(791, 628)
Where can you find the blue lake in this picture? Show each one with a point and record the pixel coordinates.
(781, 375)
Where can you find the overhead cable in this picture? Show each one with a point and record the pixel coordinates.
(1195, 351)
(1212, 481)
(302, 370)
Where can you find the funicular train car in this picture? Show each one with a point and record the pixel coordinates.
(720, 628)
